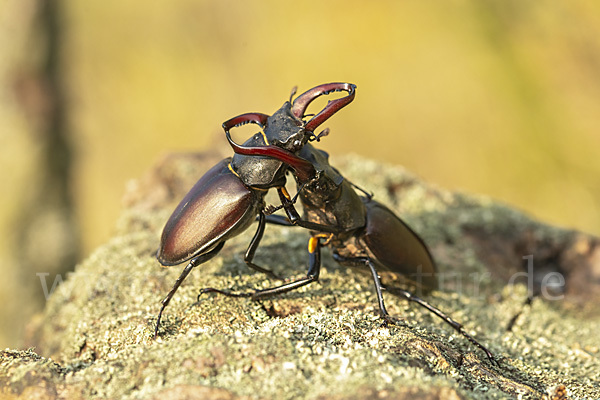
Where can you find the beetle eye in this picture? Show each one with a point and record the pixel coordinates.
(297, 143)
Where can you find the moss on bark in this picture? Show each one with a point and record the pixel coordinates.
(325, 340)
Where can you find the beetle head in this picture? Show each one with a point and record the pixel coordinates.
(285, 130)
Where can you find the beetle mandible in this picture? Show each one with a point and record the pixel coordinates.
(230, 196)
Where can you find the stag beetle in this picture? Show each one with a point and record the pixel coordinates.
(230, 196)
(360, 231)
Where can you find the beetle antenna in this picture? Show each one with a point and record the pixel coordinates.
(318, 137)
(293, 93)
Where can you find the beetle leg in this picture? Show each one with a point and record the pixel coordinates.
(314, 268)
(313, 226)
(379, 288)
(271, 209)
(369, 195)
(294, 218)
(288, 205)
(249, 256)
(454, 324)
(359, 261)
(186, 271)
(278, 220)
(514, 318)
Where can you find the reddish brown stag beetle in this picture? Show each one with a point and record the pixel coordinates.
(360, 231)
(230, 196)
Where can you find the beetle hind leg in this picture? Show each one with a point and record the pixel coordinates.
(458, 327)
(379, 288)
(186, 271)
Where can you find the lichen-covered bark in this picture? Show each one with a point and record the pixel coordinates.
(325, 340)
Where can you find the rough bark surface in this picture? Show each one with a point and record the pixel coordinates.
(95, 337)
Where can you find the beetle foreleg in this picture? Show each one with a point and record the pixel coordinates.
(293, 218)
(285, 205)
(288, 204)
(313, 226)
(278, 220)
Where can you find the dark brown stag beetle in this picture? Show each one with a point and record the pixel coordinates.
(360, 231)
(230, 196)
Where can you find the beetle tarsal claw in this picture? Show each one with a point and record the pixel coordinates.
(270, 209)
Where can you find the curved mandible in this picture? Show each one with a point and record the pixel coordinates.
(301, 103)
(305, 171)
(248, 118)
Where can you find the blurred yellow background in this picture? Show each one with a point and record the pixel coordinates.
(494, 97)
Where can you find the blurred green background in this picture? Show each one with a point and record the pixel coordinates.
(496, 97)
